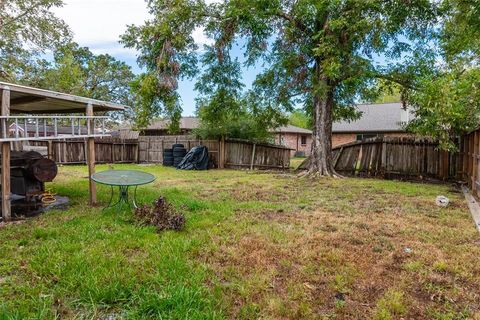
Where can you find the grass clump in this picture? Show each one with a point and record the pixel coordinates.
(390, 306)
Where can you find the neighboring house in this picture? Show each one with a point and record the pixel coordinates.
(160, 127)
(296, 138)
(384, 119)
(299, 139)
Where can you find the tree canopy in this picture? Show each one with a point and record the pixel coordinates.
(319, 54)
(446, 98)
(76, 70)
(27, 29)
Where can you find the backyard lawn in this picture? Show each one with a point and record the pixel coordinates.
(256, 245)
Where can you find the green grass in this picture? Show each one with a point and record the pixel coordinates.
(256, 245)
(296, 162)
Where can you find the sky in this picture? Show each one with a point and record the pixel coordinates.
(98, 24)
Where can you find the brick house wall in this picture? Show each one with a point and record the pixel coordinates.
(344, 138)
(294, 141)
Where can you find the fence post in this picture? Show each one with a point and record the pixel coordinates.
(459, 159)
(221, 154)
(465, 158)
(50, 150)
(112, 152)
(148, 151)
(123, 151)
(253, 156)
(471, 158)
(5, 146)
(91, 155)
(137, 152)
(163, 148)
(444, 164)
(383, 163)
(475, 162)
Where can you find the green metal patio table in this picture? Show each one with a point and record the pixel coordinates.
(124, 180)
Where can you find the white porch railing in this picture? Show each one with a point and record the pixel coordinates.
(23, 128)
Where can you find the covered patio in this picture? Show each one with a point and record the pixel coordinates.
(29, 107)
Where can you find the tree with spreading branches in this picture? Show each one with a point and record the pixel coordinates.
(446, 100)
(27, 29)
(320, 54)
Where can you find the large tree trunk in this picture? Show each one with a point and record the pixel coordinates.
(321, 161)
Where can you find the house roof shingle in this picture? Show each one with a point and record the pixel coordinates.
(189, 123)
(292, 129)
(186, 123)
(383, 117)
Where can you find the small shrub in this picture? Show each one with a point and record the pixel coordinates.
(162, 215)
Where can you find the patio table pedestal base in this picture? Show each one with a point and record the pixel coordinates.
(123, 198)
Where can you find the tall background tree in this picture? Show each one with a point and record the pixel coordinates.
(76, 70)
(168, 52)
(446, 98)
(323, 54)
(319, 54)
(30, 32)
(27, 29)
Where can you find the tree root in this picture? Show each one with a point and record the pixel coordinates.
(312, 173)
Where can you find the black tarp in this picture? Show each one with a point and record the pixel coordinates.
(195, 159)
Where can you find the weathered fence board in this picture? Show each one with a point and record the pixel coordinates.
(151, 147)
(241, 154)
(404, 157)
(107, 150)
(238, 154)
(468, 165)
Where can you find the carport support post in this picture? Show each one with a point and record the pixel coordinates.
(6, 208)
(91, 156)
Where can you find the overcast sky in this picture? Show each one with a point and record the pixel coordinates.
(98, 25)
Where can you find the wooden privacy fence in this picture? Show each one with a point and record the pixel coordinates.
(107, 150)
(395, 158)
(151, 147)
(241, 154)
(230, 153)
(469, 157)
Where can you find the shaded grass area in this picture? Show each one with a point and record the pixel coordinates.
(296, 162)
(256, 245)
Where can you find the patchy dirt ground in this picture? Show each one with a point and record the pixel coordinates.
(348, 249)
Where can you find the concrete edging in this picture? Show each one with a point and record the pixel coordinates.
(473, 205)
